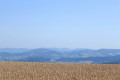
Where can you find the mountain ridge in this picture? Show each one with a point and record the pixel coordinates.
(59, 55)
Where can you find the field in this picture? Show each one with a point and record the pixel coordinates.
(58, 71)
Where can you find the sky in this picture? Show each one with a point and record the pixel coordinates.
(90, 24)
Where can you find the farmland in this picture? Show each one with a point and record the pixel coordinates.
(58, 71)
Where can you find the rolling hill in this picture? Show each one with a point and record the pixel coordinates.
(61, 55)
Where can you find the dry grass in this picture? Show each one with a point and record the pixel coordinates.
(58, 71)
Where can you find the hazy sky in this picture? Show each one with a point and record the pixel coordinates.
(60, 23)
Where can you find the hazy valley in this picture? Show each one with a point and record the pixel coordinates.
(64, 55)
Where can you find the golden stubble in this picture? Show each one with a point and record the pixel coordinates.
(58, 71)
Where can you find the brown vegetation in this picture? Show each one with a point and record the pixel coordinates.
(58, 71)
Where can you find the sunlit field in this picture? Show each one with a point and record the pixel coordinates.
(58, 71)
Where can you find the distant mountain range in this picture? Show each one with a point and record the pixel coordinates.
(79, 55)
(14, 50)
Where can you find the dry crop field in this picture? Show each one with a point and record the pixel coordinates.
(58, 71)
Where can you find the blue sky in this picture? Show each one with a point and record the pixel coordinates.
(60, 23)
